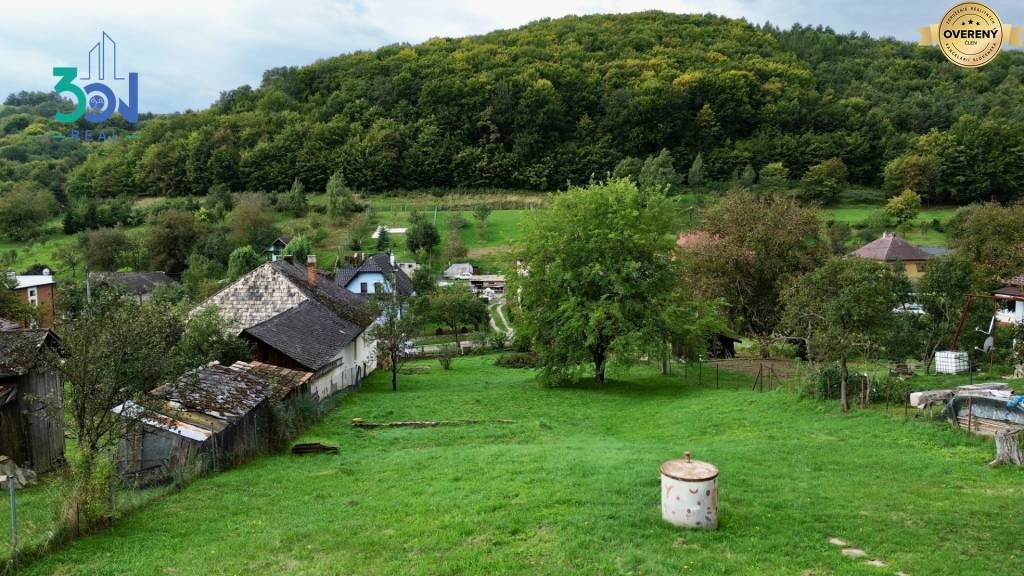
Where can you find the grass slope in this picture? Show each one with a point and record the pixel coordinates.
(572, 488)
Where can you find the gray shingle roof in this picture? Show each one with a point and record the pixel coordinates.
(19, 350)
(309, 333)
(134, 282)
(344, 304)
(377, 263)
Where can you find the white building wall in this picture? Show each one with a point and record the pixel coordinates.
(357, 359)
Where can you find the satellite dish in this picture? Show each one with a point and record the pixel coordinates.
(988, 345)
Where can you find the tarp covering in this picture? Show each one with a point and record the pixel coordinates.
(984, 407)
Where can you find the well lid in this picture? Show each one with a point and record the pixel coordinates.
(689, 470)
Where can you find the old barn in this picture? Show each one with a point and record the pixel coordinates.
(31, 400)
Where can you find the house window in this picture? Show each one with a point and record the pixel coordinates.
(377, 287)
(920, 266)
(33, 296)
(364, 288)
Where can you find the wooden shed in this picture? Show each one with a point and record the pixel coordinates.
(211, 418)
(31, 400)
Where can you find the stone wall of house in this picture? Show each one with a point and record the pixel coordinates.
(256, 297)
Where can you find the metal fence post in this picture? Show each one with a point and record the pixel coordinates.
(14, 521)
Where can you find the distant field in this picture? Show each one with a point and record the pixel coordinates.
(571, 487)
(511, 212)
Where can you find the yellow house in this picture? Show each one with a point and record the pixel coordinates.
(892, 248)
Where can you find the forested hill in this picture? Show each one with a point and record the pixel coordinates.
(557, 101)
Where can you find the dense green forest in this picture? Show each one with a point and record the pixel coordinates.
(552, 102)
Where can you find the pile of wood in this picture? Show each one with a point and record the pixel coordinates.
(360, 423)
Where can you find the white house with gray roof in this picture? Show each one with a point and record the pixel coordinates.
(298, 318)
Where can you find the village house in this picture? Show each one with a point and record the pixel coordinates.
(487, 286)
(38, 290)
(459, 271)
(276, 248)
(297, 318)
(374, 275)
(31, 399)
(1011, 299)
(138, 284)
(893, 249)
(209, 418)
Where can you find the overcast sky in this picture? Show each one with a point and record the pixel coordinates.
(187, 51)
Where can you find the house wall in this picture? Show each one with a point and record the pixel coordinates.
(914, 269)
(370, 278)
(357, 359)
(44, 303)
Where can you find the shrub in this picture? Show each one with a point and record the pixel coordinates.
(517, 360)
(830, 380)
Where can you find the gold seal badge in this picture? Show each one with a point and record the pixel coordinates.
(970, 34)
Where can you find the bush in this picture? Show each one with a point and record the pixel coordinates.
(517, 360)
(830, 381)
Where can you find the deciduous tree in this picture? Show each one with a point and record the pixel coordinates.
(842, 308)
(601, 272)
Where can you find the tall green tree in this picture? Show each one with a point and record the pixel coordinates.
(397, 324)
(774, 177)
(299, 248)
(295, 202)
(600, 273)
(697, 174)
(422, 236)
(243, 260)
(905, 207)
(843, 308)
(755, 246)
(824, 181)
(481, 213)
(659, 174)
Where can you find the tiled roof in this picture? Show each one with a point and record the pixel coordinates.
(891, 247)
(380, 263)
(309, 333)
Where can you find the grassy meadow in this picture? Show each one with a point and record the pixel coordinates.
(572, 487)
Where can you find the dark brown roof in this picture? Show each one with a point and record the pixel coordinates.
(889, 248)
(342, 303)
(308, 333)
(19, 350)
(380, 263)
(137, 283)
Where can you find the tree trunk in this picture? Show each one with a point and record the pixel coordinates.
(664, 358)
(394, 372)
(1008, 450)
(844, 384)
(455, 332)
(599, 364)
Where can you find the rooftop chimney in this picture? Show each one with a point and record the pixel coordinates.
(311, 269)
(392, 259)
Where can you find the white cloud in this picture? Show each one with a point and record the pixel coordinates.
(187, 51)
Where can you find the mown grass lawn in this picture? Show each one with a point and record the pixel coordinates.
(572, 487)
